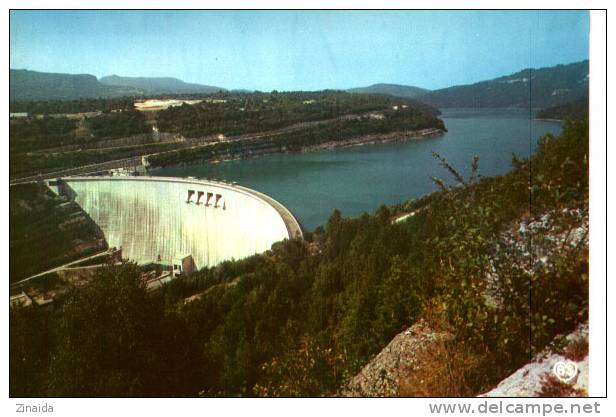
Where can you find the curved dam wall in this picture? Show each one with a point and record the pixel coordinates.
(157, 218)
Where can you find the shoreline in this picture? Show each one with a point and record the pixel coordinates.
(549, 120)
(372, 139)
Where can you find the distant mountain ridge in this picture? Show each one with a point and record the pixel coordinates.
(159, 85)
(537, 88)
(35, 85)
(397, 90)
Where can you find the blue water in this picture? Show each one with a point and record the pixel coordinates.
(360, 179)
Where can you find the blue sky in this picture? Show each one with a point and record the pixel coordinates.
(298, 50)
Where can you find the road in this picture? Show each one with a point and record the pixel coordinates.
(137, 160)
(107, 252)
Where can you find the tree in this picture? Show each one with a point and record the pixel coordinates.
(114, 339)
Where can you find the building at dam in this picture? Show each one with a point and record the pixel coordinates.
(157, 219)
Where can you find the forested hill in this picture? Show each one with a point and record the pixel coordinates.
(405, 91)
(34, 85)
(160, 85)
(537, 88)
(28, 85)
(257, 112)
(576, 110)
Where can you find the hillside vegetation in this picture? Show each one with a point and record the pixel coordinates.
(303, 318)
(395, 90)
(48, 107)
(333, 132)
(236, 114)
(34, 85)
(576, 110)
(159, 85)
(40, 144)
(535, 88)
(28, 85)
(52, 141)
(47, 231)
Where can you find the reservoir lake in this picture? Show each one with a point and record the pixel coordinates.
(360, 179)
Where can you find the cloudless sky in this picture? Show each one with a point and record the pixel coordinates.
(298, 50)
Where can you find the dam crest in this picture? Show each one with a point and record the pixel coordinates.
(158, 219)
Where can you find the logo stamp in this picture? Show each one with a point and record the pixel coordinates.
(565, 371)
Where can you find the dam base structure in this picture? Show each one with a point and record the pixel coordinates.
(157, 219)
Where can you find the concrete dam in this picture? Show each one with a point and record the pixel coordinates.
(158, 219)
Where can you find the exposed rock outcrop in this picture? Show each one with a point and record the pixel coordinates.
(410, 364)
(381, 377)
(537, 378)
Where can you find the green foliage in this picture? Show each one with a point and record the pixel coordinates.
(31, 345)
(50, 143)
(47, 107)
(334, 131)
(537, 299)
(526, 89)
(308, 370)
(110, 339)
(395, 90)
(25, 85)
(31, 134)
(118, 124)
(257, 112)
(157, 85)
(33, 164)
(303, 317)
(560, 169)
(575, 110)
(47, 231)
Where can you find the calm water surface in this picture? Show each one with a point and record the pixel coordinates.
(358, 180)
